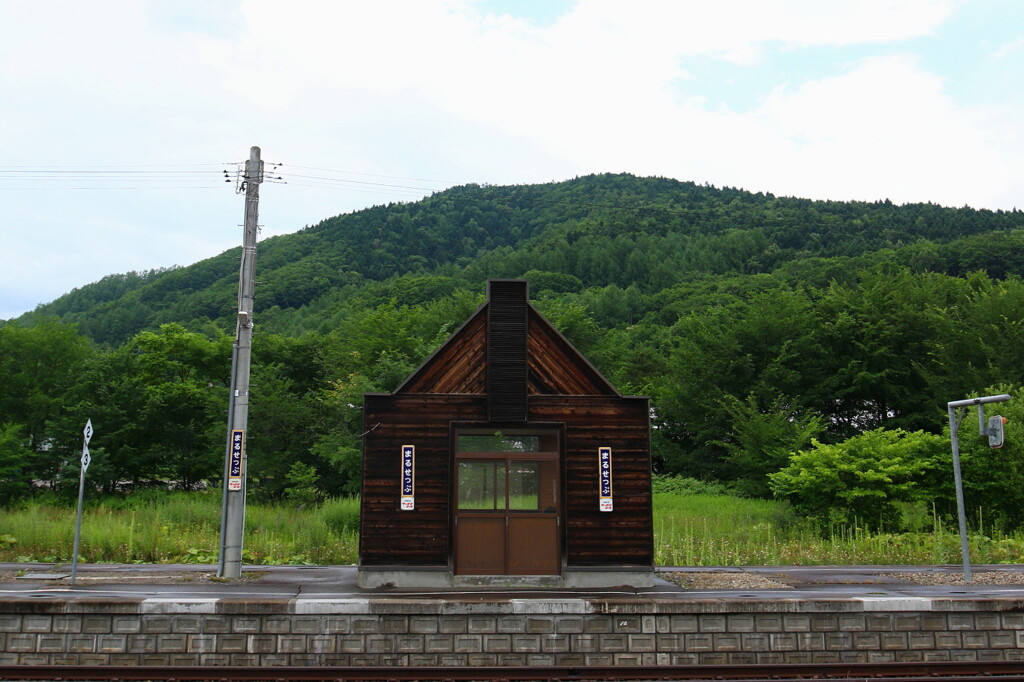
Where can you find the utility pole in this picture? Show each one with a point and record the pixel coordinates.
(232, 523)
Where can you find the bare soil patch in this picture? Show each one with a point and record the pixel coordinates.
(942, 578)
(725, 581)
(141, 578)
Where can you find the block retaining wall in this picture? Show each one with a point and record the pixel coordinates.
(453, 632)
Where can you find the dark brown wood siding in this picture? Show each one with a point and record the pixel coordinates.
(390, 536)
(459, 366)
(555, 367)
(624, 536)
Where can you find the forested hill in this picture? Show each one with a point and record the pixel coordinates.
(594, 231)
(759, 326)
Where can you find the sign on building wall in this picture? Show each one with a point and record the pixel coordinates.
(604, 464)
(408, 477)
(235, 462)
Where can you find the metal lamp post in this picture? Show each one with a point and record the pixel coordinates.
(957, 411)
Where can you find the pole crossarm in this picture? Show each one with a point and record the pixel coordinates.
(979, 401)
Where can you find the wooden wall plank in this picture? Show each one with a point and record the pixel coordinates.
(593, 538)
(556, 367)
(459, 366)
(624, 536)
(390, 536)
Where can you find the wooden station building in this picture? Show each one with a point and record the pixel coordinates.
(505, 459)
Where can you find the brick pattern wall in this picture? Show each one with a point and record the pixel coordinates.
(575, 632)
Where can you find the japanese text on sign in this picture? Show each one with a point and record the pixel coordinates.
(604, 464)
(408, 477)
(235, 460)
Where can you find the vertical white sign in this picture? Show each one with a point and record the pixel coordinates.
(408, 478)
(235, 463)
(604, 469)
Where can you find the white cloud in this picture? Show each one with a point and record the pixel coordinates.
(738, 30)
(1010, 49)
(884, 129)
(447, 90)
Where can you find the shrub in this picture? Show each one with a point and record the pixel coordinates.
(679, 485)
(860, 480)
(302, 490)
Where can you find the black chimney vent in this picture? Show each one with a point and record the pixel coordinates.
(507, 315)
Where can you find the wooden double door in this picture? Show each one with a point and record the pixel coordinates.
(507, 511)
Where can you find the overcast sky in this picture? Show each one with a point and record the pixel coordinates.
(118, 117)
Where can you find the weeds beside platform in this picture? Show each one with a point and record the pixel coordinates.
(690, 530)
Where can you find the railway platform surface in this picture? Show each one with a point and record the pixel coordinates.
(191, 581)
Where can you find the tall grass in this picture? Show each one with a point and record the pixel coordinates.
(689, 529)
(180, 528)
(722, 530)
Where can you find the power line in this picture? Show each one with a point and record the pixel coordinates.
(378, 192)
(376, 175)
(357, 182)
(94, 187)
(95, 176)
(125, 165)
(101, 177)
(118, 173)
(153, 176)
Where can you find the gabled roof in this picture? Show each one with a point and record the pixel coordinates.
(462, 364)
(459, 365)
(556, 367)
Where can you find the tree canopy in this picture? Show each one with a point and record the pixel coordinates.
(756, 323)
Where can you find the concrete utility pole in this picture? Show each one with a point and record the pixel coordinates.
(232, 524)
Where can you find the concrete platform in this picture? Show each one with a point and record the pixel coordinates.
(318, 616)
(40, 581)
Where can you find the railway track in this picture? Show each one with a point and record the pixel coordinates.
(875, 672)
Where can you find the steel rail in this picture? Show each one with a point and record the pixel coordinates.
(968, 671)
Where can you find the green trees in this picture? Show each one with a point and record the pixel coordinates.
(15, 463)
(282, 428)
(864, 478)
(761, 441)
(884, 348)
(157, 404)
(754, 322)
(877, 333)
(37, 366)
(743, 371)
(589, 232)
(760, 353)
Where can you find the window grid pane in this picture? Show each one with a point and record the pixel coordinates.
(481, 485)
(523, 485)
(499, 443)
